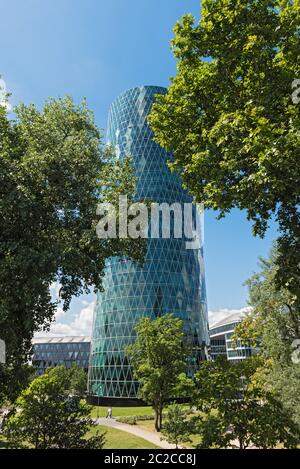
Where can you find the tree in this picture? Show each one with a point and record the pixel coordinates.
(54, 170)
(231, 118)
(185, 387)
(176, 428)
(236, 411)
(274, 321)
(13, 379)
(45, 417)
(74, 379)
(285, 383)
(274, 324)
(78, 380)
(158, 357)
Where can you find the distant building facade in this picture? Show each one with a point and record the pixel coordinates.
(55, 351)
(220, 333)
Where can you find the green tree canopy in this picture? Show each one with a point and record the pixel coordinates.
(274, 321)
(54, 170)
(46, 417)
(274, 324)
(230, 120)
(158, 357)
(74, 379)
(176, 428)
(236, 411)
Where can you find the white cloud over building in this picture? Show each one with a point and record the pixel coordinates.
(224, 313)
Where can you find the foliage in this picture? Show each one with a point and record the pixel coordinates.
(237, 409)
(158, 357)
(176, 428)
(13, 378)
(133, 419)
(78, 380)
(46, 417)
(274, 324)
(74, 379)
(54, 170)
(185, 387)
(230, 119)
(285, 383)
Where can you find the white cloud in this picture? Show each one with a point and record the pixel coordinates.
(54, 290)
(3, 98)
(80, 325)
(59, 313)
(216, 316)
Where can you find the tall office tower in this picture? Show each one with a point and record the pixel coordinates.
(172, 278)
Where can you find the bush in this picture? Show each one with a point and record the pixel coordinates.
(133, 419)
(130, 420)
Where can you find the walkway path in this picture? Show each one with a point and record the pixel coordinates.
(137, 431)
(143, 433)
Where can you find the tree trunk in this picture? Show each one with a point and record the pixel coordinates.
(158, 419)
(156, 423)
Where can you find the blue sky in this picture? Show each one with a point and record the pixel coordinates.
(96, 49)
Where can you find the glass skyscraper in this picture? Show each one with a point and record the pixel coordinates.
(172, 278)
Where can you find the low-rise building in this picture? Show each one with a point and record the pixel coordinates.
(66, 351)
(220, 333)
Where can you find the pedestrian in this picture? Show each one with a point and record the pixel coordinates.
(109, 413)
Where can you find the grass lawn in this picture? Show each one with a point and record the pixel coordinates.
(121, 411)
(117, 439)
(146, 424)
(149, 425)
(126, 411)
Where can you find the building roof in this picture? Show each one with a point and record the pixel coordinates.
(60, 340)
(228, 319)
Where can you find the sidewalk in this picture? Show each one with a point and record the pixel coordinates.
(135, 430)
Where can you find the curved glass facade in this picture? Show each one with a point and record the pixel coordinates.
(172, 278)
